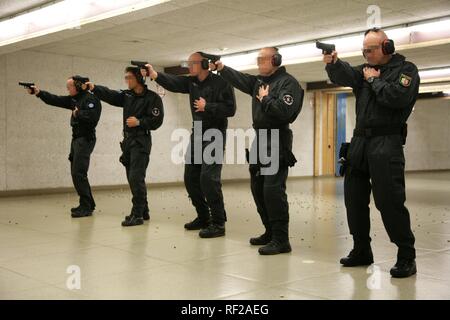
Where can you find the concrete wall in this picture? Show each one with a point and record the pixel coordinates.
(428, 143)
(35, 138)
(2, 122)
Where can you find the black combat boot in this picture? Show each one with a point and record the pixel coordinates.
(196, 224)
(212, 231)
(358, 257)
(81, 213)
(275, 247)
(75, 209)
(404, 268)
(146, 214)
(262, 240)
(132, 220)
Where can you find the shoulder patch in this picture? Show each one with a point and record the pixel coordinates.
(91, 105)
(156, 112)
(405, 80)
(288, 99)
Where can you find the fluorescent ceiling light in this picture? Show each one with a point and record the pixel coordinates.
(438, 87)
(64, 15)
(434, 73)
(414, 35)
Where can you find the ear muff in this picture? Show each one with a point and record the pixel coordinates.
(276, 60)
(388, 47)
(140, 78)
(205, 64)
(78, 86)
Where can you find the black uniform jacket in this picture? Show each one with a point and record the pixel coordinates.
(90, 108)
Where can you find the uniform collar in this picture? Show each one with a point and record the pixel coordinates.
(280, 71)
(396, 60)
(204, 80)
(79, 94)
(141, 94)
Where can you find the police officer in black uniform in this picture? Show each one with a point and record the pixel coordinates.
(142, 112)
(386, 88)
(212, 101)
(86, 110)
(276, 102)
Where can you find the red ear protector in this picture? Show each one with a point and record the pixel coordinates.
(276, 60)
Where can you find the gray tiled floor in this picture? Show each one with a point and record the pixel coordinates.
(160, 260)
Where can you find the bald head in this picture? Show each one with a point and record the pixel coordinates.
(372, 45)
(375, 35)
(195, 57)
(268, 51)
(264, 61)
(70, 85)
(195, 66)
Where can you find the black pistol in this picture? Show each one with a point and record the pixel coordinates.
(211, 57)
(140, 64)
(27, 85)
(81, 79)
(327, 48)
(343, 156)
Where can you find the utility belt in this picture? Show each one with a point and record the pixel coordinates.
(88, 135)
(285, 146)
(137, 133)
(401, 130)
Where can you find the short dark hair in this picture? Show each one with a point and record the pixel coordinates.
(134, 70)
(374, 29)
(137, 73)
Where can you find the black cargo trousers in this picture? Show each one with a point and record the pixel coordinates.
(203, 181)
(80, 155)
(378, 164)
(135, 157)
(269, 190)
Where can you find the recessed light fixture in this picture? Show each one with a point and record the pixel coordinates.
(66, 14)
(419, 34)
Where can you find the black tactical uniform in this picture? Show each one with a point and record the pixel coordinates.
(276, 111)
(83, 142)
(375, 157)
(203, 180)
(147, 107)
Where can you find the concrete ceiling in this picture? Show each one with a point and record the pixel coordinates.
(167, 37)
(11, 7)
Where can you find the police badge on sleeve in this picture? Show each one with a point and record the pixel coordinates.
(288, 99)
(156, 112)
(405, 80)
